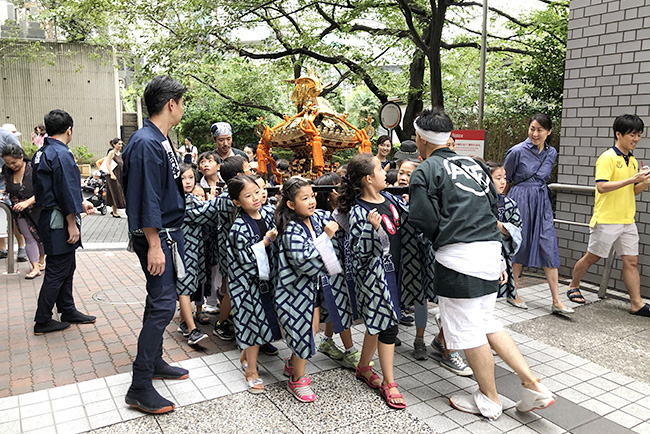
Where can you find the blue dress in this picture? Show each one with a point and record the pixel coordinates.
(528, 170)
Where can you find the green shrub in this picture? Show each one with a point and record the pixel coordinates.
(83, 155)
(30, 149)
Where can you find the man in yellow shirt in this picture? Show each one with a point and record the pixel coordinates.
(618, 181)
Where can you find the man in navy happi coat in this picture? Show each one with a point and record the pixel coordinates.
(57, 187)
(155, 207)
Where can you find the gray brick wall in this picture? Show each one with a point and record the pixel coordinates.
(607, 74)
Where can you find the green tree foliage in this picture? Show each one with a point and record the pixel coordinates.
(363, 104)
(83, 155)
(202, 43)
(543, 70)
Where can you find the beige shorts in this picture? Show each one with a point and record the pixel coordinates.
(624, 238)
(467, 321)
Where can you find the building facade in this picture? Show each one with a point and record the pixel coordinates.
(80, 79)
(607, 74)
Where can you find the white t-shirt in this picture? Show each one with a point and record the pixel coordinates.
(192, 151)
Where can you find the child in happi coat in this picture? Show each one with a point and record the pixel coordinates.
(198, 216)
(385, 258)
(263, 192)
(231, 167)
(345, 297)
(305, 259)
(209, 164)
(251, 259)
(510, 225)
(418, 299)
(204, 290)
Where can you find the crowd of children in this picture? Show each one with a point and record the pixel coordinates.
(333, 257)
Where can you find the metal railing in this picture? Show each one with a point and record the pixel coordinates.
(609, 262)
(572, 187)
(11, 266)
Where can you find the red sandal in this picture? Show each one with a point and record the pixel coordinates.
(385, 392)
(370, 380)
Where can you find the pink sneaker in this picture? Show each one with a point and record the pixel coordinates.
(301, 389)
(288, 369)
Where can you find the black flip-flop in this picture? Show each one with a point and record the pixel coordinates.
(575, 293)
(644, 311)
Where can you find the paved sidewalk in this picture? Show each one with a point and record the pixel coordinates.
(76, 380)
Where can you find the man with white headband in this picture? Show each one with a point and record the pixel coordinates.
(222, 136)
(454, 203)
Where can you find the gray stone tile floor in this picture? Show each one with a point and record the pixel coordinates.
(594, 395)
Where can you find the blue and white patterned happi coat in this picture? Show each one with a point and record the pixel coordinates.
(373, 296)
(200, 218)
(337, 302)
(251, 320)
(511, 219)
(225, 219)
(300, 266)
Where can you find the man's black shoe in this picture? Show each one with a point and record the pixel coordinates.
(148, 401)
(169, 372)
(49, 326)
(77, 317)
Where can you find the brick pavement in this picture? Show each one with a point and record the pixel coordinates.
(109, 285)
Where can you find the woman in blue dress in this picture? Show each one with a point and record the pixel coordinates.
(528, 168)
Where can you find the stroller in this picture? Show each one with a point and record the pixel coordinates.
(98, 199)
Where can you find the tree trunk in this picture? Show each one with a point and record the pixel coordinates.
(414, 103)
(437, 99)
(435, 40)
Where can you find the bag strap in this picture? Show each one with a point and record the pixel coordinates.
(535, 172)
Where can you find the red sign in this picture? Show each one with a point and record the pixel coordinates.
(470, 142)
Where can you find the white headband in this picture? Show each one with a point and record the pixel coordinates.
(432, 137)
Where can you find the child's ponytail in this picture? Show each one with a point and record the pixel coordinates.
(352, 185)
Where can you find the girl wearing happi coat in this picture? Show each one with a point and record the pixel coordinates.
(343, 296)
(199, 217)
(251, 258)
(307, 270)
(384, 251)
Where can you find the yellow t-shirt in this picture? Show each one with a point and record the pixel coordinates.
(618, 206)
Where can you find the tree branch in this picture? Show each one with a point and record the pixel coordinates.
(331, 60)
(333, 87)
(511, 18)
(476, 45)
(241, 103)
(408, 16)
(476, 32)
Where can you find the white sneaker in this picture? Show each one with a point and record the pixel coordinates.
(477, 403)
(533, 400)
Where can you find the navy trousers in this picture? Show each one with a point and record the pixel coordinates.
(56, 287)
(158, 312)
